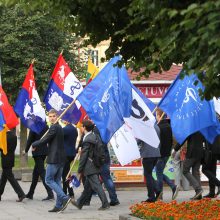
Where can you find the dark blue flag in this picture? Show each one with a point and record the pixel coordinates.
(188, 113)
(107, 99)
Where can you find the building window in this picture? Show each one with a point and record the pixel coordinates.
(94, 54)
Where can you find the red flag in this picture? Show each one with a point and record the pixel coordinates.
(9, 115)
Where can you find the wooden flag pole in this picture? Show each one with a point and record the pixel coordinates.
(154, 110)
(32, 62)
(161, 117)
(73, 163)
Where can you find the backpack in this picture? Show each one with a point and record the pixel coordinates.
(99, 157)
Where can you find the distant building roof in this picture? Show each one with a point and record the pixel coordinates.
(164, 77)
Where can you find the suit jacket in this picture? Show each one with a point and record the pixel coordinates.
(194, 146)
(166, 138)
(54, 139)
(215, 147)
(41, 150)
(9, 159)
(86, 165)
(70, 136)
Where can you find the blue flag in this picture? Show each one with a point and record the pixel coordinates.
(188, 113)
(107, 99)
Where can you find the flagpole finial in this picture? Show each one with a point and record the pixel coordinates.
(32, 62)
(61, 52)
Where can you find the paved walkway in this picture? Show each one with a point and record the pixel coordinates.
(36, 209)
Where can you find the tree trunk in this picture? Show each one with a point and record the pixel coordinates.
(23, 141)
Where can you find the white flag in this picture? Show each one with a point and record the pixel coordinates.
(142, 121)
(124, 145)
(217, 105)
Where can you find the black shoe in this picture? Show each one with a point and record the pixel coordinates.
(175, 192)
(114, 203)
(20, 199)
(210, 195)
(198, 198)
(159, 195)
(197, 195)
(55, 209)
(102, 208)
(48, 198)
(65, 204)
(149, 200)
(28, 196)
(76, 204)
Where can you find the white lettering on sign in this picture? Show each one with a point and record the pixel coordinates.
(153, 91)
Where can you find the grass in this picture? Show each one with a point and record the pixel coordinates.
(31, 163)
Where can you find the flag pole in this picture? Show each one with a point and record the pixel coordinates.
(161, 118)
(61, 53)
(32, 62)
(154, 110)
(73, 163)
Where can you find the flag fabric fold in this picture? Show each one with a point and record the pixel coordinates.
(63, 89)
(8, 119)
(28, 105)
(107, 99)
(188, 113)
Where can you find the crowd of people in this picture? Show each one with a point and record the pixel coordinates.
(57, 146)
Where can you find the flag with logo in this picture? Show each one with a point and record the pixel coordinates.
(28, 105)
(188, 113)
(8, 119)
(107, 98)
(63, 88)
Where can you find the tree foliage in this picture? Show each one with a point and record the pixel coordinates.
(151, 34)
(35, 34)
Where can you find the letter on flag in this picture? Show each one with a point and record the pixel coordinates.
(188, 113)
(64, 87)
(28, 105)
(8, 119)
(107, 98)
(142, 119)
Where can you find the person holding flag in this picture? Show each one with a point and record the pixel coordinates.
(7, 165)
(55, 160)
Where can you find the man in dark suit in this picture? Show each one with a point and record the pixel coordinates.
(91, 172)
(193, 159)
(55, 160)
(70, 136)
(166, 141)
(7, 165)
(209, 168)
(39, 156)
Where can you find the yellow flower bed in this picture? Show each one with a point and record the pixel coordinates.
(205, 209)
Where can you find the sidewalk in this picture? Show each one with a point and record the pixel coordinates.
(36, 209)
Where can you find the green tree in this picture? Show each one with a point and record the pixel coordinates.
(151, 33)
(35, 34)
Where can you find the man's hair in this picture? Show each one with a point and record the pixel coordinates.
(52, 111)
(159, 112)
(88, 125)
